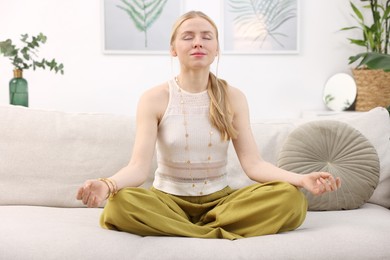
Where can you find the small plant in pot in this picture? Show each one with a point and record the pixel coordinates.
(372, 73)
(24, 58)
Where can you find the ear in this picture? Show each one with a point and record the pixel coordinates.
(173, 52)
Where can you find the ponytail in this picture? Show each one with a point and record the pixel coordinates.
(221, 116)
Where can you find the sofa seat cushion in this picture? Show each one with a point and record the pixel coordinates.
(74, 233)
(338, 148)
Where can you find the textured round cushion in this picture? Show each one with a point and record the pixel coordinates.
(338, 148)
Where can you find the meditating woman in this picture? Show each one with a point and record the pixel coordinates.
(190, 120)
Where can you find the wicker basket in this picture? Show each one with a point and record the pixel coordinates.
(373, 89)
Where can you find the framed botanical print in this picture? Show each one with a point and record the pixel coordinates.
(260, 26)
(138, 27)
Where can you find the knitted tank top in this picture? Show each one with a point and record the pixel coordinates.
(191, 157)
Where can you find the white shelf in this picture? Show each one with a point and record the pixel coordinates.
(325, 113)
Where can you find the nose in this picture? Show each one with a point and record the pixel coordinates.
(197, 43)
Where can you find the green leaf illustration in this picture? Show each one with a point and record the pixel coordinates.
(143, 13)
(260, 19)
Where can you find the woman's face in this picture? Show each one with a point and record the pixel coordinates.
(195, 44)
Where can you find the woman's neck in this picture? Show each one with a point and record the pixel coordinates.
(193, 82)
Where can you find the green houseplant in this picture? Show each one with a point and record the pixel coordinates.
(375, 33)
(372, 72)
(24, 58)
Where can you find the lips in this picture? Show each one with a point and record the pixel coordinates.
(198, 54)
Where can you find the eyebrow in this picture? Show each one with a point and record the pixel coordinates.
(192, 32)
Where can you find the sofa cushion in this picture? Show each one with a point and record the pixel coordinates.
(74, 233)
(337, 148)
(271, 134)
(375, 126)
(47, 155)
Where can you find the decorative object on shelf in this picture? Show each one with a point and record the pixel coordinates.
(18, 89)
(22, 59)
(340, 92)
(372, 74)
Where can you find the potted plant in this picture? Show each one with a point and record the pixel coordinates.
(372, 73)
(24, 58)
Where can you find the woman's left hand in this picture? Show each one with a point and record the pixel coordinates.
(320, 182)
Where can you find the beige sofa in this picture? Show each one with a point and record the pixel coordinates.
(46, 155)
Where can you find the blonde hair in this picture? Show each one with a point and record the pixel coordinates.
(221, 116)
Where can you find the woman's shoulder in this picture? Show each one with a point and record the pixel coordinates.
(157, 91)
(155, 100)
(155, 94)
(238, 101)
(234, 90)
(236, 95)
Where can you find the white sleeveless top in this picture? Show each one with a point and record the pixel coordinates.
(191, 157)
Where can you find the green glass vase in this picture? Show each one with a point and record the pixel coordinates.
(18, 89)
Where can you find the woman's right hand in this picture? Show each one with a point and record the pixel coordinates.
(93, 193)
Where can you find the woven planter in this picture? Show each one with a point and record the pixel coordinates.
(373, 89)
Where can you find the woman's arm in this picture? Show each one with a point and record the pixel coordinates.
(261, 171)
(150, 109)
(147, 120)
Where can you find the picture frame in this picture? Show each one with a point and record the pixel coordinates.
(239, 27)
(273, 29)
(126, 30)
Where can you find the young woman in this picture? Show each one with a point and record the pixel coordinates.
(192, 118)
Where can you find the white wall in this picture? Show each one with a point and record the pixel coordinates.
(277, 86)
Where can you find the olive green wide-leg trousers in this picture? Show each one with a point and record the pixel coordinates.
(255, 210)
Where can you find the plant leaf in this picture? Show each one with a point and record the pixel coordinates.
(25, 57)
(260, 19)
(143, 13)
(372, 60)
(357, 12)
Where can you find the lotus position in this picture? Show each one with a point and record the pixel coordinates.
(190, 120)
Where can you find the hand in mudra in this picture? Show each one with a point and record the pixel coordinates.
(93, 193)
(320, 182)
